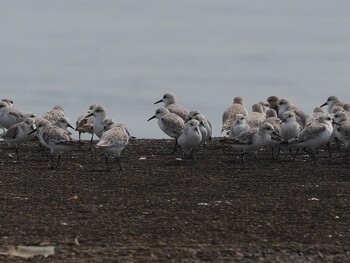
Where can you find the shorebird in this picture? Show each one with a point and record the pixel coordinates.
(342, 130)
(99, 114)
(252, 140)
(290, 128)
(170, 103)
(54, 138)
(170, 123)
(190, 137)
(54, 114)
(285, 105)
(19, 133)
(85, 124)
(318, 112)
(205, 126)
(314, 136)
(229, 115)
(63, 123)
(240, 125)
(265, 106)
(10, 115)
(271, 117)
(273, 102)
(331, 102)
(113, 141)
(8, 101)
(256, 117)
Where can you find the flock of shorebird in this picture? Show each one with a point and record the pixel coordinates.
(273, 123)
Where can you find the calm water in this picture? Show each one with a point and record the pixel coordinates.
(126, 54)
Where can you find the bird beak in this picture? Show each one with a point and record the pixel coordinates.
(70, 126)
(34, 130)
(335, 123)
(151, 118)
(324, 104)
(284, 120)
(158, 101)
(196, 129)
(276, 136)
(89, 115)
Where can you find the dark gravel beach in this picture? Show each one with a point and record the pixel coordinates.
(163, 208)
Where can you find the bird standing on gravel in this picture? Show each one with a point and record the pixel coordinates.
(99, 114)
(113, 141)
(290, 128)
(54, 138)
(252, 140)
(19, 133)
(190, 137)
(170, 123)
(10, 115)
(314, 136)
(205, 126)
(85, 124)
(170, 103)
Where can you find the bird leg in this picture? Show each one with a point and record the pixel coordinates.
(117, 162)
(18, 161)
(175, 147)
(106, 158)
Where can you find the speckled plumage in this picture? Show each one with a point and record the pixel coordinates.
(169, 101)
(229, 115)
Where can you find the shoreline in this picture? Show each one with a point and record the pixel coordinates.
(163, 208)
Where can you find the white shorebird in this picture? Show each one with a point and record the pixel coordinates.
(342, 130)
(253, 140)
(64, 124)
(113, 141)
(54, 138)
(318, 112)
(271, 117)
(285, 105)
(340, 118)
(229, 115)
(8, 101)
(170, 123)
(314, 136)
(205, 126)
(256, 117)
(54, 114)
(85, 124)
(331, 102)
(240, 125)
(190, 137)
(10, 115)
(169, 101)
(19, 133)
(99, 114)
(290, 128)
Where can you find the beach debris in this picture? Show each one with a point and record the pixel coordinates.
(314, 199)
(29, 251)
